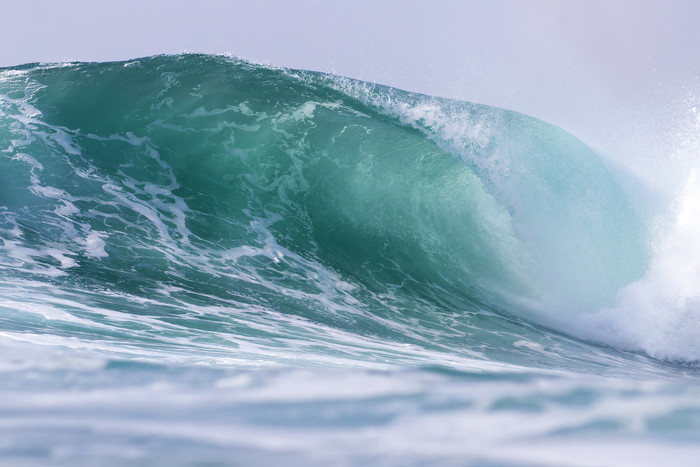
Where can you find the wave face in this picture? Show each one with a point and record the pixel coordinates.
(208, 234)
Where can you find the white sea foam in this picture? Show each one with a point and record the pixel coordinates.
(660, 313)
(95, 245)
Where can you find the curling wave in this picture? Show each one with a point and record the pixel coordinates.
(215, 204)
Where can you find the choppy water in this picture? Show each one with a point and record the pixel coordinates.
(208, 260)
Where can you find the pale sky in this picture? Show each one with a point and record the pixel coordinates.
(584, 65)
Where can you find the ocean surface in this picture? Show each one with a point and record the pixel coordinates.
(206, 261)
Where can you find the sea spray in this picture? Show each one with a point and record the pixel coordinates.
(659, 313)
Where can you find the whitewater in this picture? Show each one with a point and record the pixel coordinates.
(205, 260)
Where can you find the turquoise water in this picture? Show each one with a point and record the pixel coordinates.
(206, 260)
